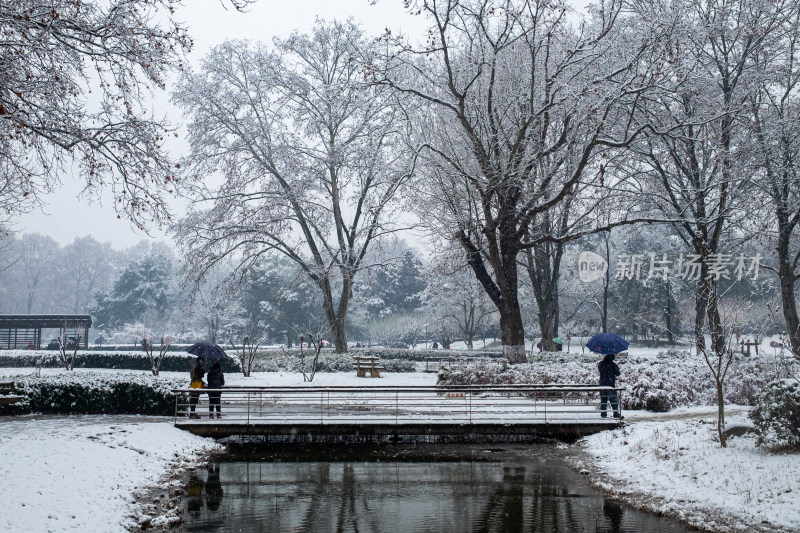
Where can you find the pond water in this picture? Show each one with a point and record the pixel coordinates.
(398, 488)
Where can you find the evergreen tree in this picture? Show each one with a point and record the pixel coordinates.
(398, 286)
(142, 292)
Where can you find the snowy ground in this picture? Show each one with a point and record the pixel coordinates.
(83, 472)
(672, 463)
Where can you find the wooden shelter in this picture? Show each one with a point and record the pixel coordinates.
(25, 331)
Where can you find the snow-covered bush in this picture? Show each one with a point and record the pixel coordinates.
(481, 372)
(68, 393)
(776, 415)
(672, 379)
(643, 395)
(126, 361)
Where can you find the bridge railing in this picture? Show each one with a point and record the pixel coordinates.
(528, 404)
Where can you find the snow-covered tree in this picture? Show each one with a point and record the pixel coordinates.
(310, 154)
(37, 257)
(144, 292)
(75, 82)
(515, 105)
(219, 305)
(455, 297)
(395, 286)
(88, 267)
(775, 119)
(695, 166)
(280, 302)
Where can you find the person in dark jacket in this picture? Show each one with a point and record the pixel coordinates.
(609, 370)
(196, 374)
(216, 380)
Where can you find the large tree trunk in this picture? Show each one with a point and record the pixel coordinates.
(788, 295)
(606, 284)
(707, 306)
(700, 305)
(336, 319)
(512, 333)
(504, 292)
(714, 320)
(339, 339)
(544, 264)
(512, 330)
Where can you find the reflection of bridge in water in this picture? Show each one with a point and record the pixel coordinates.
(566, 411)
(505, 488)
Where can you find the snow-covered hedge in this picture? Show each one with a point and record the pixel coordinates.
(672, 379)
(776, 415)
(86, 393)
(423, 355)
(126, 361)
(328, 362)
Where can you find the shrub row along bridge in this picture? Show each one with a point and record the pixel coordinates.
(565, 411)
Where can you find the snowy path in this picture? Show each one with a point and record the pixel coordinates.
(684, 413)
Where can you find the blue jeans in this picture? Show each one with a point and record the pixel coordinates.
(607, 396)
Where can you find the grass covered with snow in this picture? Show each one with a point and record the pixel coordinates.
(674, 464)
(81, 473)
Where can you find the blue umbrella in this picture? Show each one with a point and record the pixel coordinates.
(206, 350)
(606, 343)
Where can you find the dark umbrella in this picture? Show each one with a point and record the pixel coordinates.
(606, 343)
(206, 350)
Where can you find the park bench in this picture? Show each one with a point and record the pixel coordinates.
(434, 364)
(7, 395)
(367, 363)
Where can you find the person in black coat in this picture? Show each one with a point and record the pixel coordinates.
(609, 370)
(216, 380)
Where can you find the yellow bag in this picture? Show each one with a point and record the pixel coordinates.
(196, 385)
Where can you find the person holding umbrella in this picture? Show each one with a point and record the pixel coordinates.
(609, 345)
(216, 380)
(207, 350)
(609, 370)
(196, 374)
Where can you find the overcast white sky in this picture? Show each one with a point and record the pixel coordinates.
(67, 216)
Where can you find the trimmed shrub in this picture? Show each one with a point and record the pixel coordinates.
(124, 361)
(776, 415)
(328, 362)
(98, 394)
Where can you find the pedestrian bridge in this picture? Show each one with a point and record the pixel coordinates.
(563, 411)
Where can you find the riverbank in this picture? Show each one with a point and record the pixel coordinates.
(87, 472)
(103, 473)
(672, 464)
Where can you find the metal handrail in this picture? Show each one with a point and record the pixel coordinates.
(467, 404)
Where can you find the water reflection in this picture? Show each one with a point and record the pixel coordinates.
(508, 490)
